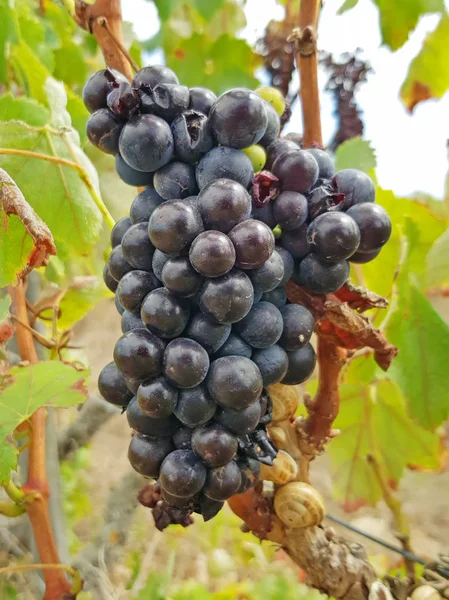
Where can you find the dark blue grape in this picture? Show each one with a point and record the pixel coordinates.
(131, 321)
(195, 406)
(278, 297)
(109, 281)
(153, 75)
(288, 262)
(180, 278)
(173, 226)
(273, 126)
(262, 326)
(214, 444)
(290, 210)
(294, 137)
(234, 382)
(118, 266)
(118, 306)
(143, 206)
(325, 162)
(270, 275)
(137, 248)
(355, 185)
(192, 136)
(320, 277)
(374, 225)
(146, 425)
(130, 175)
(228, 298)
(298, 326)
(112, 386)
(265, 214)
(103, 130)
(212, 254)
(297, 171)
(224, 163)
(234, 346)
(182, 474)
(296, 242)
(175, 181)
(301, 364)
(147, 453)
(119, 230)
(272, 363)
(364, 257)
(165, 314)
(186, 363)
(277, 148)
(133, 287)
(241, 421)
(223, 482)
(333, 236)
(146, 143)
(159, 260)
(138, 354)
(156, 398)
(201, 99)
(207, 332)
(223, 204)
(166, 100)
(98, 86)
(253, 242)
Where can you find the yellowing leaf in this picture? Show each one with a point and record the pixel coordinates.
(26, 389)
(437, 262)
(355, 153)
(428, 74)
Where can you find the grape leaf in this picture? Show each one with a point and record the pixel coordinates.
(428, 74)
(398, 19)
(373, 421)
(208, 8)
(347, 5)
(31, 72)
(437, 262)
(24, 390)
(70, 64)
(84, 293)
(8, 33)
(421, 367)
(25, 109)
(6, 328)
(25, 241)
(355, 153)
(72, 215)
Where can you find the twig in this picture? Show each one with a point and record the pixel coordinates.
(104, 23)
(72, 165)
(56, 583)
(305, 40)
(396, 508)
(76, 586)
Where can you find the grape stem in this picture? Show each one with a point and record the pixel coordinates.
(36, 486)
(304, 38)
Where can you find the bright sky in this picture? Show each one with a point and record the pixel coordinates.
(411, 149)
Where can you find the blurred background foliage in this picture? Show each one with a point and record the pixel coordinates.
(398, 417)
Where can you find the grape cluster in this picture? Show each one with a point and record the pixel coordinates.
(199, 279)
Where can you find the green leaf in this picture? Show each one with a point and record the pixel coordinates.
(398, 19)
(428, 74)
(8, 33)
(32, 73)
(71, 215)
(83, 294)
(208, 8)
(421, 367)
(16, 246)
(355, 153)
(373, 421)
(78, 114)
(33, 32)
(437, 261)
(23, 109)
(70, 64)
(347, 5)
(166, 7)
(28, 388)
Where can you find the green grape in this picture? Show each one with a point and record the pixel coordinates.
(257, 156)
(273, 96)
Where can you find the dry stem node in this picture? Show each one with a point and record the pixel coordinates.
(304, 40)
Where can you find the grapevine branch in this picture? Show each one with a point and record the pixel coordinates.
(36, 486)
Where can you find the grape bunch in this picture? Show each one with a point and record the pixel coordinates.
(228, 215)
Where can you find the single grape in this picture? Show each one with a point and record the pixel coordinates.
(277, 148)
(173, 226)
(301, 364)
(192, 200)
(103, 130)
(224, 163)
(192, 136)
(143, 206)
(175, 181)
(156, 398)
(241, 421)
(147, 453)
(133, 287)
(209, 508)
(118, 266)
(159, 260)
(288, 262)
(253, 242)
(131, 321)
(182, 474)
(137, 248)
(374, 225)
(118, 306)
(234, 382)
(278, 297)
(228, 298)
(298, 326)
(130, 175)
(295, 137)
(325, 163)
(223, 482)
(364, 257)
(195, 406)
(323, 198)
(109, 281)
(270, 275)
(262, 326)
(153, 75)
(201, 99)
(272, 363)
(180, 278)
(176, 501)
(119, 230)
(166, 100)
(223, 204)
(138, 354)
(98, 86)
(146, 143)
(215, 444)
(238, 118)
(207, 332)
(212, 254)
(165, 314)
(186, 363)
(234, 346)
(257, 296)
(297, 171)
(273, 96)
(265, 214)
(333, 236)
(112, 386)
(296, 242)
(320, 277)
(122, 100)
(290, 210)
(182, 439)
(132, 384)
(257, 155)
(273, 126)
(146, 425)
(250, 470)
(356, 185)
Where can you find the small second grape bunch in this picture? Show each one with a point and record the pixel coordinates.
(229, 214)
